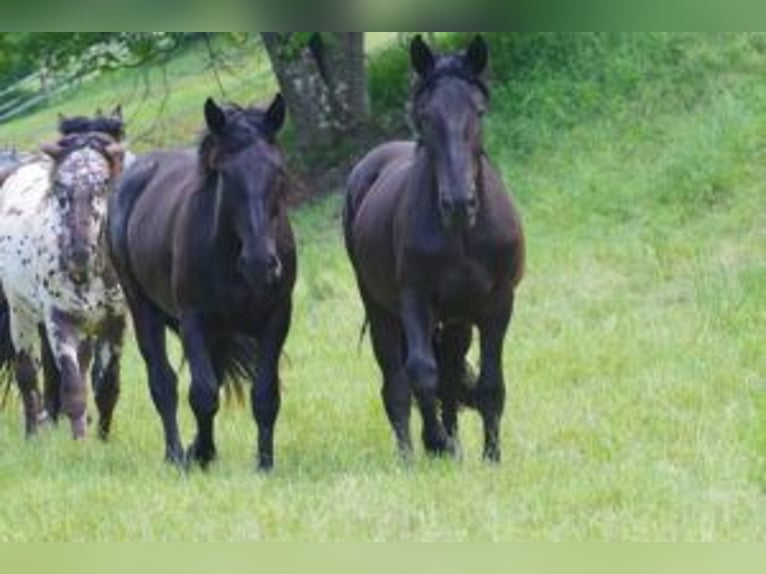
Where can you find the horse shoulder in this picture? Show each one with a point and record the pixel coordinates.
(502, 227)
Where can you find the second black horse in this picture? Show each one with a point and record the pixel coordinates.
(202, 244)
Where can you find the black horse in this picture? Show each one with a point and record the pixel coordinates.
(202, 244)
(437, 248)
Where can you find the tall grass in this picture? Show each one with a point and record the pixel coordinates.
(635, 360)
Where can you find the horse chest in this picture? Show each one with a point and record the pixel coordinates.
(461, 288)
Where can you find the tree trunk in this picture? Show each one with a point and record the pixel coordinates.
(324, 81)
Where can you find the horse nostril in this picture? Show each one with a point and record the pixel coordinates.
(79, 258)
(274, 267)
(445, 204)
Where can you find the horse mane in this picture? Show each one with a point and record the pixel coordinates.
(244, 126)
(82, 124)
(450, 66)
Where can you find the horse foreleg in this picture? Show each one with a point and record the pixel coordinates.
(65, 342)
(490, 389)
(25, 366)
(203, 393)
(265, 396)
(451, 346)
(26, 376)
(163, 383)
(387, 339)
(105, 374)
(419, 325)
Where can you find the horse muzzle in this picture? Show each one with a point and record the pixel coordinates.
(78, 266)
(259, 273)
(458, 214)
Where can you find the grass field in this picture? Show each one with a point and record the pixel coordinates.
(635, 361)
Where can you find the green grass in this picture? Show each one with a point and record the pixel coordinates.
(635, 360)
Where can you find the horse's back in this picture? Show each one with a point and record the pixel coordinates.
(367, 173)
(143, 217)
(25, 185)
(21, 216)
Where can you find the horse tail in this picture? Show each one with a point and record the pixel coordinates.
(6, 351)
(235, 360)
(348, 215)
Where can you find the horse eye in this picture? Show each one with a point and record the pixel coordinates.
(63, 202)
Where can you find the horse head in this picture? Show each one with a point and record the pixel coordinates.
(85, 168)
(449, 100)
(244, 167)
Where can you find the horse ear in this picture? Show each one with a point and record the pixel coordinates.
(421, 56)
(275, 114)
(117, 113)
(477, 55)
(214, 116)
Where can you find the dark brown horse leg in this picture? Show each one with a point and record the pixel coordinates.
(265, 396)
(163, 383)
(51, 378)
(26, 378)
(203, 392)
(490, 389)
(421, 367)
(105, 374)
(451, 347)
(388, 345)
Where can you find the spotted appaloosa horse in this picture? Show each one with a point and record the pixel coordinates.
(55, 273)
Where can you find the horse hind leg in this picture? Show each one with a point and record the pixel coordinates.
(387, 339)
(105, 374)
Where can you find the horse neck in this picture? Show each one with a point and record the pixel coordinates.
(422, 190)
(206, 221)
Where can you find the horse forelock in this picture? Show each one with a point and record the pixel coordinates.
(244, 127)
(81, 124)
(84, 167)
(448, 67)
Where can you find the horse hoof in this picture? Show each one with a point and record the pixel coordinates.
(103, 434)
(264, 464)
(175, 457)
(79, 426)
(454, 449)
(492, 457)
(199, 456)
